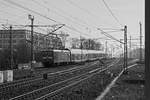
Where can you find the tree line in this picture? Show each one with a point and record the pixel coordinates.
(88, 44)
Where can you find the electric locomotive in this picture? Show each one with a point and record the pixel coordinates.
(53, 57)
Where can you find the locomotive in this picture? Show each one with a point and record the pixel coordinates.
(58, 57)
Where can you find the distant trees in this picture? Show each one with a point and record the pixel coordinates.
(86, 44)
(63, 35)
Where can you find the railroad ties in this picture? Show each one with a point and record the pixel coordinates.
(52, 84)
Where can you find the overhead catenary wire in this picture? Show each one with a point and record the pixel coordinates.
(113, 15)
(75, 21)
(73, 17)
(112, 31)
(18, 15)
(8, 13)
(28, 9)
(67, 18)
(6, 21)
(44, 16)
(84, 10)
(108, 35)
(69, 27)
(85, 24)
(74, 4)
(81, 8)
(10, 6)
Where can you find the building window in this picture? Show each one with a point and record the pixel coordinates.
(6, 35)
(14, 41)
(21, 36)
(14, 46)
(14, 35)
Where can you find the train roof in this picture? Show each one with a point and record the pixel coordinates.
(61, 50)
(57, 50)
(79, 51)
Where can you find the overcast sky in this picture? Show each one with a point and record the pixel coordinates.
(83, 16)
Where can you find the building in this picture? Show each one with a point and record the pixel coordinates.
(17, 37)
(22, 35)
(21, 42)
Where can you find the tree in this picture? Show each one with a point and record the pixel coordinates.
(63, 37)
(86, 44)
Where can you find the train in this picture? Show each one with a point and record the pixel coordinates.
(61, 57)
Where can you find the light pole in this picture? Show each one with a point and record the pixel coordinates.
(32, 40)
(11, 49)
(140, 41)
(121, 48)
(130, 49)
(106, 47)
(125, 48)
(81, 47)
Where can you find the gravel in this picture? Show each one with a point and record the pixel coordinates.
(130, 86)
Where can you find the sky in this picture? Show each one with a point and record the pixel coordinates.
(81, 17)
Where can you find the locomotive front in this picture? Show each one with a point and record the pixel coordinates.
(46, 57)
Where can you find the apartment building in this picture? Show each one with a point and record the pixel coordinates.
(19, 36)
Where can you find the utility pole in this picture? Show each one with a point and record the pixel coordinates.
(121, 55)
(140, 41)
(130, 48)
(111, 52)
(81, 47)
(11, 49)
(32, 40)
(89, 49)
(106, 47)
(125, 48)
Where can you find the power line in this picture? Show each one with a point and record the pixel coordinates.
(19, 14)
(83, 9)
(110, 29)
(111, 12)
(74, 4)
(71, 28)
(13, 14)
(75, 18)
(7, 21)
(113, 31)
(79, 20)
(58, 13)
(108, 35)
(25, 8)
(20, 6)
(84, 24)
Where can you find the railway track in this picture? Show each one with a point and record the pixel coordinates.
(39, 73)
(26, 86)
(53, 89)
(38, 76)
